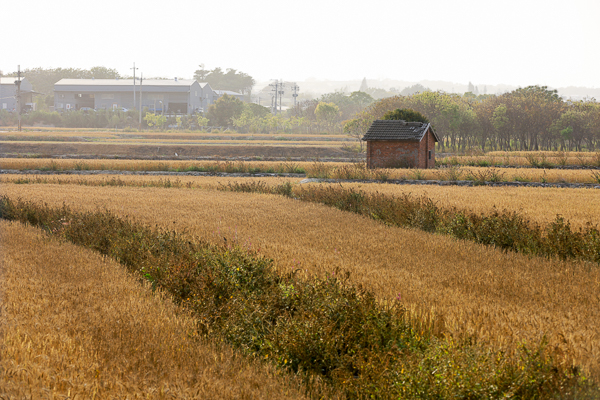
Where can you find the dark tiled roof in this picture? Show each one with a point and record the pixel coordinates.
(396, 130)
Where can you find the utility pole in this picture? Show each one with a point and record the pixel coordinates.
(275, 89)
(280, 94)
(141, 81)
(18, 83)
(134, 68)
(295, 88)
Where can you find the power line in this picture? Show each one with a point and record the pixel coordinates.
(141, 102)
(134, 68)
(295, 88)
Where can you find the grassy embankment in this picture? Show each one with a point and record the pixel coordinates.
(464, 290)
(322, 326)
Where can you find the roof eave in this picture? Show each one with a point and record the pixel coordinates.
(435, 136)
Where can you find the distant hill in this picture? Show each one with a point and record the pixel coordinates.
(317, 87)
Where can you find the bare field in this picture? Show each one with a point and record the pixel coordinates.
(188, 142)
(50, 142)
(169, 135)
(467, 290)
(80, 327)
(103, 150)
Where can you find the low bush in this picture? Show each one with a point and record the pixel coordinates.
(320, 326)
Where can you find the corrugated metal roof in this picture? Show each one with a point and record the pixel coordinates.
(8, 80)
(227, 92)
(397, 130)
(124, 82)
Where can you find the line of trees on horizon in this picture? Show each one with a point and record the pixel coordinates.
(530, 118)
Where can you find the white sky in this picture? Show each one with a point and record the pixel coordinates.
(516, 42)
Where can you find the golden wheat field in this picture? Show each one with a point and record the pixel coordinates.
(496, 174)
(80, 327)
(336, 170)
(527, 157)
(465, 289)
(541, 205)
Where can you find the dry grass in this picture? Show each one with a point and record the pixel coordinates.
(75, 325)
(148, 165)
(329, 170)
(526, 158)
(497, 174)
(465, 289)
(579, 206)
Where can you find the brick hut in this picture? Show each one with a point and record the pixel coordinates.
(397, 143)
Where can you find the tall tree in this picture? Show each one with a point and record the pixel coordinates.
(327, 113)
(405, 114)
(414, 89)
(229, 80)
(223, 111)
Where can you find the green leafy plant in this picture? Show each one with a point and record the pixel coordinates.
(417, 174)
(452, 173)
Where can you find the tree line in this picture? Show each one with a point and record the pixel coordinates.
(530, 118)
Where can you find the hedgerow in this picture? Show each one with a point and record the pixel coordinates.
(315, 326)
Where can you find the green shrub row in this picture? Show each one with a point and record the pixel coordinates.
(504, 229)
(318, 327)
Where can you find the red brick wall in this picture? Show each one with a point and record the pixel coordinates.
(427, 144)
(393, 154)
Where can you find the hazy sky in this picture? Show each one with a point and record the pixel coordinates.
(517, 42)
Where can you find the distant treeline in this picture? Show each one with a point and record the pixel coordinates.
(531, 118)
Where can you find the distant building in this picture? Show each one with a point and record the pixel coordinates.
(177, 96)
(237, 95)
(8, 94)
(397, 143)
